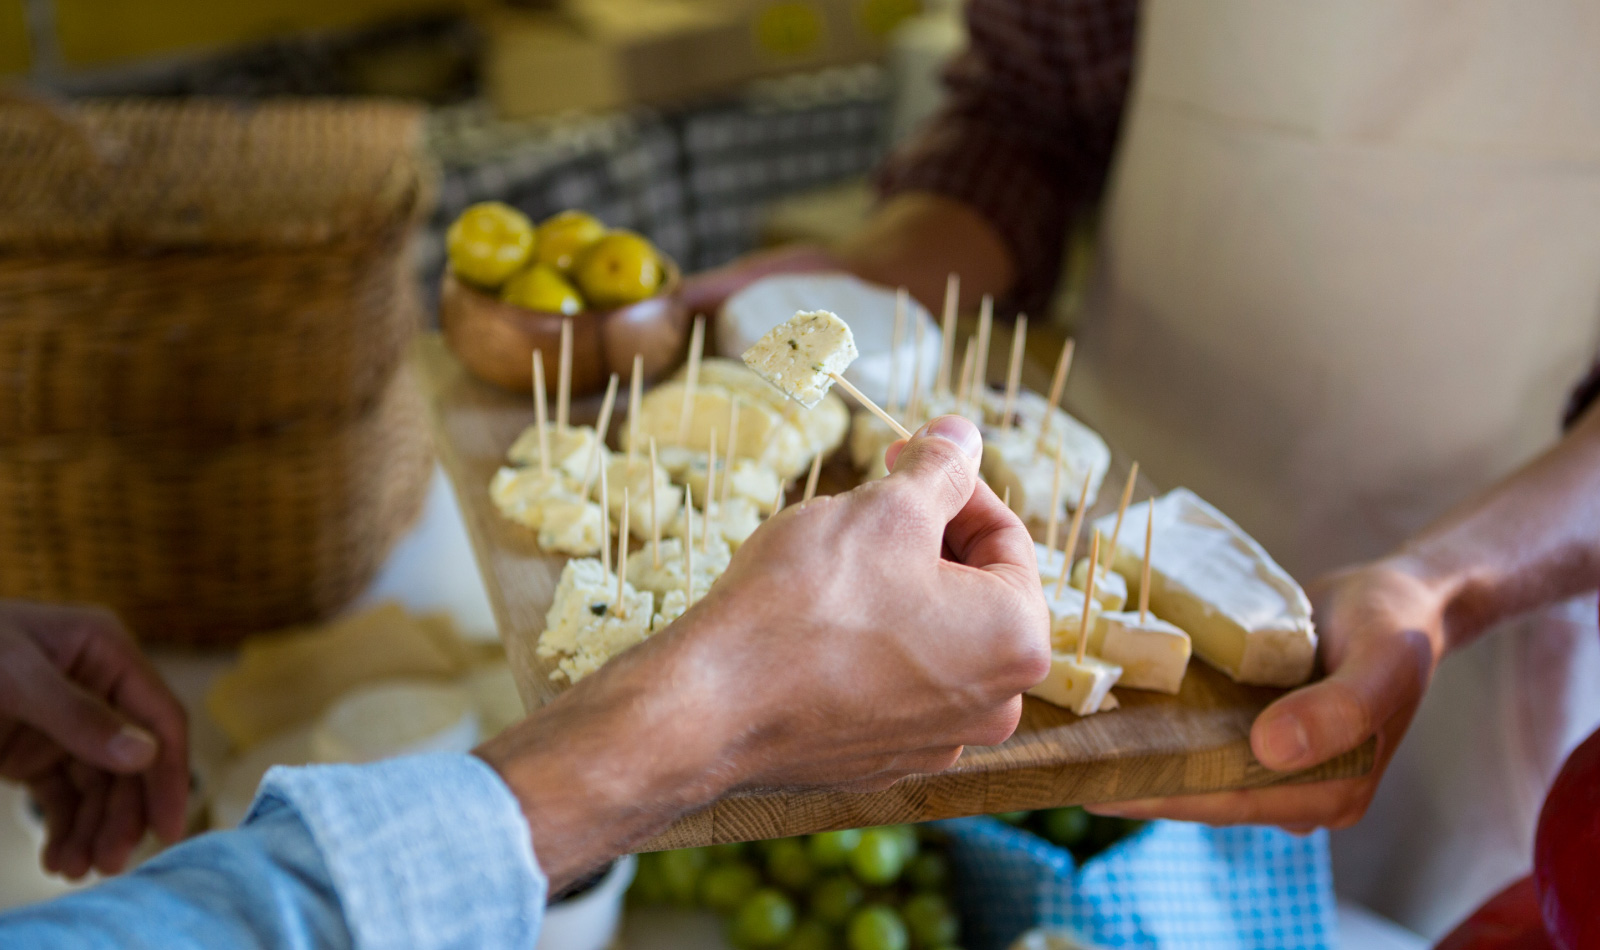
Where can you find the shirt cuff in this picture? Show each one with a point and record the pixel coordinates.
(429, 851)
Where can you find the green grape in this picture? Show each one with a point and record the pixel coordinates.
(835, 898)
(878, 857)
(789, 865)
(831, 849)
(1013, 817)
(876, 927)
(907, 836)
(728, 852)
(648, 887)
(1067, 827)
(931, 921)
(727, 885)
(811, 934)
(929, 871)
(765, 920)
(680, 872)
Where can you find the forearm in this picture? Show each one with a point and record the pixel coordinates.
(1532, 539)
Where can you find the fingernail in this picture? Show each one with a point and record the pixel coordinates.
(1285, 742)
(132, 747)
(957, 429)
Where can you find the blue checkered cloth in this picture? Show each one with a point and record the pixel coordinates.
(1171, 885)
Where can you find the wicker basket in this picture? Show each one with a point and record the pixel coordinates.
(204, 311)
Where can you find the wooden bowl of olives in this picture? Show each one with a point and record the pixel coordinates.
(510, 285)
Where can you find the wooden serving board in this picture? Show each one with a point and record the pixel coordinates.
(1197, 741)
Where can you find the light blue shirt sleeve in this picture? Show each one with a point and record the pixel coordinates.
(424, 852)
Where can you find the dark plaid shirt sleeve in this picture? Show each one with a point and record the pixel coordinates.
(1583, 397)
(1027, 133)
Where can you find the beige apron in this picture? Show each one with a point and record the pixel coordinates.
(1350, 271)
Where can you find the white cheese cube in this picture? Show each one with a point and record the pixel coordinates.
(1015, 460)
(598, 642)
(869, 437)
(764, 435)
(1066, 616)
(585, 591)
(520, 493)
(1244, 614)
(750, 480)
(1153, 654)
(1110, 587)
(799, 355)
(1082, 449)
(569, 450)
(736, 521)
(585, 625)
(1050, 561)
(637, 481)
(1080, 687)
(709, 565)
(674, 603)
(570, 526)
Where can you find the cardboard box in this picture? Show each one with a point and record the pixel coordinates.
(609, 54)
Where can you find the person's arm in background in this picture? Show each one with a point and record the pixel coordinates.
(989, 186)
(854, 640)
(1531, 540)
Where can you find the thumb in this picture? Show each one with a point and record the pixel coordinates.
(939, 464)
(34, 691)
(1377, 678)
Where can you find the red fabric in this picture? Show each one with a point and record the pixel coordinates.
(1509, 921)
(1027, 134)
(1566, 852)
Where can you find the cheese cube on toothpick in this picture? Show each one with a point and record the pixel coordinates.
(802, 356)
(1080, 684)
(1153, 654)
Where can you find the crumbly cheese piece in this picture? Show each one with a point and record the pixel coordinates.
(569, 450)
(677, 460)
(822, 426)
(1080, 687)
(1245, 615)
(736, 520)
(584, 626)
(869, 437)
(1110, 587)
(586, 590)
(764, 435)
(636, 481)
(748, 479)
(799, 355)
(668, 577)
(935, 405)
(599, 641)
(1066, 616)
(674, 603)
(1153, 654)
(1082, 449)
(520, 493)
(570, 526)
(1014, 459)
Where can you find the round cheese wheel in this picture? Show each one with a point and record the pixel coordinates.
(867, 308)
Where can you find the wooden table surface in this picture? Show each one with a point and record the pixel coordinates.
(1196, 741)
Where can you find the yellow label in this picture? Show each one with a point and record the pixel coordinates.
(879, 17)
(789, 28)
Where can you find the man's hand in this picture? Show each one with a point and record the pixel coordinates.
(1382, 634)
(854, 640)
(94, 733)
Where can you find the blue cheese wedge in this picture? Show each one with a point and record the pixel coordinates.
(1080, 687)
(1110, 587)
(569, 450)
(1153, 654)
(1244, 614)
(800, 355)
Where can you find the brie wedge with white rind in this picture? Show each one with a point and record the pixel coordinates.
(1014, 459)
(1080, 687)
(1066, 616)
(800, 355)
(1110, 587)
(1153, 654)
(1245, 615)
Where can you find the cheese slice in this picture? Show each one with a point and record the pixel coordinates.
(1110, 587)
(570, 450)
(1153, 654)
(799, 355)
(1244, 614)
(1080, 687)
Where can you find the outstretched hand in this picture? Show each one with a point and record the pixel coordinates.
(90, 728)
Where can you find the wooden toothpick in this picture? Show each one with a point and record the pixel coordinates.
(872, 407)
(964, 393)
(947, 343)
(1144, 572)
(539, 409)
(605, 522)
(601, 427)
(1071, 547)
(1014, 372)
(980, 366)
(811, 479)
(1005, 499)
(895, 339)
(1058, 384)
(1122, 506)
(564, 376)
(688, 554)
(778, 499)
(1088, 597)
(1055, 505)
(622, 554)
(710, 493)
(691, 378)
(914, 404)
(655, 515)
(727, 467)
(635, 397)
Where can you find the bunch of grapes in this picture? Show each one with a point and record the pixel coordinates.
(1083, 834)
(884, 888)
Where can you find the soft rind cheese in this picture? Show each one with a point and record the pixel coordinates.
(1014, 459)
(869, 437)
(1082, 449)
(799, 355)
(1080, 687)
(1153, 654)
(1066, 616)
(1049, 561)
(1244, 614)
(570, 449)
(1110, 587)
(584, 627)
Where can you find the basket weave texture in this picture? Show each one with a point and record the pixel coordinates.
(204, 310)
